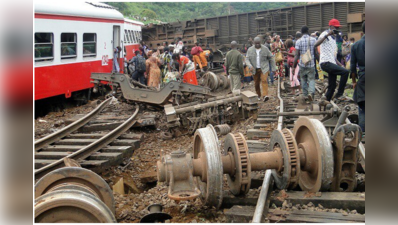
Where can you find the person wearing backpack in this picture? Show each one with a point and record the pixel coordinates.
(305, 52)
(140, 67)
(195, 52)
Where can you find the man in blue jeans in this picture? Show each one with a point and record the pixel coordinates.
(307, 70)
(329, 63)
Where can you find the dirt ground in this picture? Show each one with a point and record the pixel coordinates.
(139, 171)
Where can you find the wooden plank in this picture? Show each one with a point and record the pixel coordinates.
(301, 216)
(266, 120)
(73, 148)
(139, 137)
(338, 200)
(102, 125)
(94, 156)
(261, 126)
(240, 214)
(124, 142)
(266, 115)
(254, 134)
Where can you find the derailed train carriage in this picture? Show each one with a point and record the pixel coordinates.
(218, 32)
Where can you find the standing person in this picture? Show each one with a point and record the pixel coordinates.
(203, 58)
(294, 82)
(258, 58)
(186, 69)
(234, 66)
(185, 52)
(278, 48)
(307, 68)
(126, 66)
(153, 71)
(140, 67)
(358, 59)
(178, 48)
(328, 62)
(195, 52)
(116, 67)
(165, 59)
(209, 57)
(268, 45)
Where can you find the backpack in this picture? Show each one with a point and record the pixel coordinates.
(141, 64)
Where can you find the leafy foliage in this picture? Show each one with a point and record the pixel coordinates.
(173, 11)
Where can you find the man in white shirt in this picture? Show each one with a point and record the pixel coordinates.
(328, 61)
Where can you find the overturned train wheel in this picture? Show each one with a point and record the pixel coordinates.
(207, 147)
(316, 154)
(73, 194)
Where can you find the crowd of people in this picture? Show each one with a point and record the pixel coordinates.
(308, 57)
(156, 66)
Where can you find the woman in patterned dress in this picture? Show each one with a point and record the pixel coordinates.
(153, 70)
(276, 47)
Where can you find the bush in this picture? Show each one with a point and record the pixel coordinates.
(148, 14)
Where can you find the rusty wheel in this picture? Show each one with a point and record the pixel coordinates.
(316, 153)
(80, 178)
(207, 147)
(224, 82)
(71, 206)
(240, 182)
(287, 178)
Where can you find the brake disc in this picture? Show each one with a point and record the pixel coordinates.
(240, 182)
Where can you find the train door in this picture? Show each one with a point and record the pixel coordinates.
(116, 42)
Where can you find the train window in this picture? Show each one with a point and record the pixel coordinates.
(44, 44)
(89, 44)
(139, 36)
(135, 37)
(126, 36)
(68, 45)
(132, 36)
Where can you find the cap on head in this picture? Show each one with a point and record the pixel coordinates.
(334, 22)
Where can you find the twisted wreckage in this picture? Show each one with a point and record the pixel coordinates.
(184, 104)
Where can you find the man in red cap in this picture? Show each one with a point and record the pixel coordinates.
(328, 61)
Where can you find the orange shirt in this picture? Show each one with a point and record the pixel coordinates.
(183, 60)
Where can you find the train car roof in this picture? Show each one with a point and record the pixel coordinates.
(78, 9)
(133, 21)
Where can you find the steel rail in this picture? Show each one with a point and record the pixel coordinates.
(70, 128)
(262, 198)
(91, 148)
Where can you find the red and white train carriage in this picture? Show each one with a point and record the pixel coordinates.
(74, 39)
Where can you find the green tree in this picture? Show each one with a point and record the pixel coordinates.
(150, 14)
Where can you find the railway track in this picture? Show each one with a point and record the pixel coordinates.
(94, 151)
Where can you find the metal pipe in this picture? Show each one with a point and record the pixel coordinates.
(209, 104)
(303, 113)
(342, 118)
(262, 199)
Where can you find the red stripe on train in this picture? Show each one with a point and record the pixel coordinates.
(76, 18)
(67, 78)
